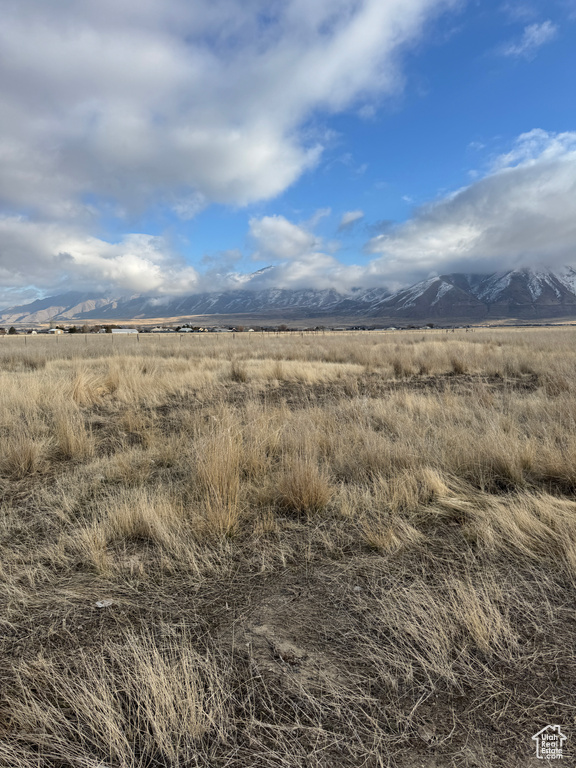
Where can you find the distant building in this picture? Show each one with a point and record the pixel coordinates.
(56, 331)
(124, 330)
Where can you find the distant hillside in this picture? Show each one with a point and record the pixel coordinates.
(526, 294)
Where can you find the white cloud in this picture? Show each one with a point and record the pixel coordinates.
(121, 104)
(315, 270)
(275, 238)
(163, 98)
(299, 256)
(316, 218)
(349, 219)
(522, 213)
(62, 257)
(534, 36)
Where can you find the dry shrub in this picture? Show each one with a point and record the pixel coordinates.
(278, 371)
(261, 437)
(409, 490)
(302, 488)
(111, 382)
(495, 462)
(536, 526)
(363, 457)
(400, 367)
(139, 699)
(22, 362)
(90, 546)
(139, 425)
(129, 468)
(555, 383)
(393, 506)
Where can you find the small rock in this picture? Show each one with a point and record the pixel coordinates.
(104, 603)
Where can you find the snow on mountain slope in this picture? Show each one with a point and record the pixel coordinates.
(522, 293)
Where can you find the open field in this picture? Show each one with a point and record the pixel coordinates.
(297, 320)
(309, 551)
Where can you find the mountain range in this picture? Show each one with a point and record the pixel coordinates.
(524, 294)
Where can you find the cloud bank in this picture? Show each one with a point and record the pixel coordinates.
(118, 105)
(522, 213)
(111, 108)
(60, 258)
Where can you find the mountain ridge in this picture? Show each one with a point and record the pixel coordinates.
(523, 293)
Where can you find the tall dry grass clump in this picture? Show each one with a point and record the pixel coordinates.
(73, 439)
(218, 482)
(303, 488)
(22, 456)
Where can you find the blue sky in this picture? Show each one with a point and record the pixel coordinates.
(161, 145)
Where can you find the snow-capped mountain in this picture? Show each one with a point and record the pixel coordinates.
(526, 294)
(521, 293)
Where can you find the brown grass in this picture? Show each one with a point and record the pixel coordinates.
(323, 550)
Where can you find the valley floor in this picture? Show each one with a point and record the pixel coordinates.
(287, 551)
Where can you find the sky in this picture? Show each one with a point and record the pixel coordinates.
(175, 146)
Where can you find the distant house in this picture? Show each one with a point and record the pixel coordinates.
(124, 330)
(56, 331)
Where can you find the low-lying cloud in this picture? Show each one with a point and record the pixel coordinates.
(522, 213)
(277, 239)
(61, 257)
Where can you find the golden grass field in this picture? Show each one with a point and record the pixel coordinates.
(313, 550)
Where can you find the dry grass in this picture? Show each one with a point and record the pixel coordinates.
(303, 488)
(320, 550)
